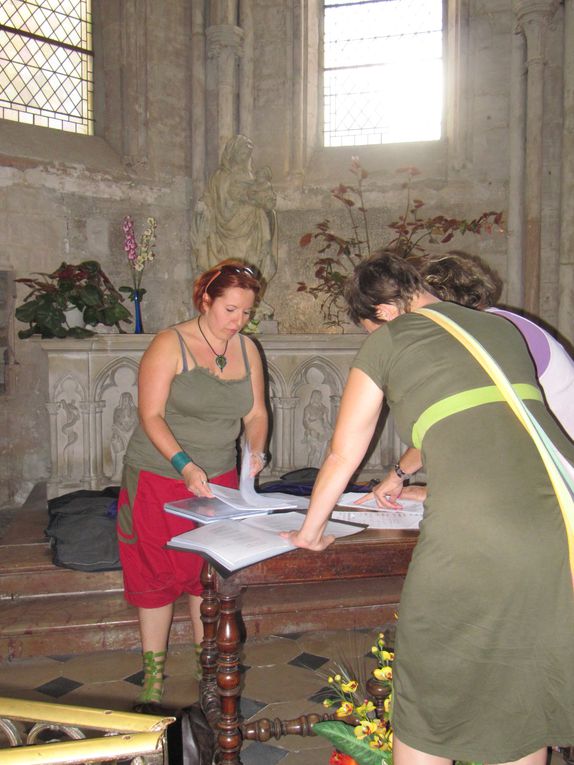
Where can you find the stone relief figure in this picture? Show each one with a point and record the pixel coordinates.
(316, 427)
(72, 414)
(124, 421)
(236, 216)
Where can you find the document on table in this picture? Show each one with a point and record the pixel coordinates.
(408, 517)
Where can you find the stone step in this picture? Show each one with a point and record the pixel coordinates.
(50, 611)
(82, 623)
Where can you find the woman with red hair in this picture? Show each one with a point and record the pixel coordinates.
(199, 383)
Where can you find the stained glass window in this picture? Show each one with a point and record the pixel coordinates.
(46, 63)
(383, 71)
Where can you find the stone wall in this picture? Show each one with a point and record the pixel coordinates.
(167, 96)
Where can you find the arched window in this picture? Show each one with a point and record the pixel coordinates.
(383, 77)
(46, 63)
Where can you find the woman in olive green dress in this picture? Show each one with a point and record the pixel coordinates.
(484, 666)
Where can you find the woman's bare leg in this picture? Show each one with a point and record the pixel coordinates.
(155, 624)
(536, 758)
(195, 613)
(406, 755)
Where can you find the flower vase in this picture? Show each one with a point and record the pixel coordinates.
(138, 297)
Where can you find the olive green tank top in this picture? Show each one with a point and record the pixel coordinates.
(204, 414)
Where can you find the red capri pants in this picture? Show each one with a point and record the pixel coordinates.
(153, 575)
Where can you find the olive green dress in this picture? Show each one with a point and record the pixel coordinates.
(484, 665)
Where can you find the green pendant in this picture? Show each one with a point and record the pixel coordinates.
(221, 361)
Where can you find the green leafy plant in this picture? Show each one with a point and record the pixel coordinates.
(337, 254)
(84, 286)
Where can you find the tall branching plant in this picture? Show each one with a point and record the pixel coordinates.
(411, 233)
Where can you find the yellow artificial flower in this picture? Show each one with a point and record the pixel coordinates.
(383, 673)
(345, 709)
(388, 656)
(337, 678)
(387, 704)
(365, 708)
(349, 687)
(366, 728)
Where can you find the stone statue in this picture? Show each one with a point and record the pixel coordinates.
(316, 427)
(124, 421)
(236, 216)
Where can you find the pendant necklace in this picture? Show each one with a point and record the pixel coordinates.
(220, 359)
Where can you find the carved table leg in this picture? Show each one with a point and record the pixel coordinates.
(228, 681)
(210, 611)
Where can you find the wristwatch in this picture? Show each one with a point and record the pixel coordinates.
(400, 472)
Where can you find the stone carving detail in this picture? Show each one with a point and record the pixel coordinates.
(116, 387)
(236, 218)
(93, 405)
(124, 421)
(316, 428)
(72, 415)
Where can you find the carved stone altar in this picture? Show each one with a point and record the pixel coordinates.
(93, 399)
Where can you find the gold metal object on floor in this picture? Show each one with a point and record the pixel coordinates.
(142, 738)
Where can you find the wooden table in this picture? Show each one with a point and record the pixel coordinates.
(371, 553)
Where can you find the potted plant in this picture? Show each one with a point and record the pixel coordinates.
(338, 254)
(84, 287)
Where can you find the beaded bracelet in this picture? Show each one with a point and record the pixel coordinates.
(180, 460)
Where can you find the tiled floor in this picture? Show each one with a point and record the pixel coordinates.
(282, 677)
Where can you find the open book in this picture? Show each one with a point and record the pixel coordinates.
(206, 510)
(234, 544)
(232, 503)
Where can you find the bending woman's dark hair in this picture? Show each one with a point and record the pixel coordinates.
(460, 278)
(385, 277)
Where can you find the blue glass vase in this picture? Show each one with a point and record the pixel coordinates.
(138, 297)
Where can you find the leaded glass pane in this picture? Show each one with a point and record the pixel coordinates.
(46, 63)
(383, 71)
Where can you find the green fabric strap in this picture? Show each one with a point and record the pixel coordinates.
(468, 399)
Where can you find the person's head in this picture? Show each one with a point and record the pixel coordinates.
(231, 288)
(460, 278)
(385, 278)
(237, 152)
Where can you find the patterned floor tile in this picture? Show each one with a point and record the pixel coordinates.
(58, 687)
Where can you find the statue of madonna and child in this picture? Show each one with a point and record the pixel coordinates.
(236, 217)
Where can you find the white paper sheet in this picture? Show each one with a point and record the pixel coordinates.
(247, 498)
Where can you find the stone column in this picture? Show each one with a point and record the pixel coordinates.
(246, 88)
(87, 473)
(284, 432)
(566, 278)
(517, 139)
(533, 17)
(134, 62)
(198, 102)
(225, 44)
(55, 476)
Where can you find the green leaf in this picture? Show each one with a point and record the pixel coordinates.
(25, 333)
(91, 295)
(79, 332)
(343, 738)
(27, 311)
